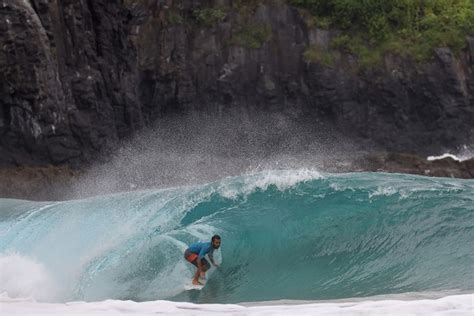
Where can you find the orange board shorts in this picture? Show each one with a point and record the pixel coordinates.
(192, 258)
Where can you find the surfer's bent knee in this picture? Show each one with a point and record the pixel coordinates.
(205, 264)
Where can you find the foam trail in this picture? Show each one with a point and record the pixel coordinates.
(449, 305)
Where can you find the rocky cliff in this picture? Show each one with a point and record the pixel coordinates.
(68, 80)
(77, 76)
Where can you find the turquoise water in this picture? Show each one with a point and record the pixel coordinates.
(291, 234)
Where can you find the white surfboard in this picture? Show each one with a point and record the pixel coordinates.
(189, 286)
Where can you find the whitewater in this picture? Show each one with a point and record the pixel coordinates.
(293, 242)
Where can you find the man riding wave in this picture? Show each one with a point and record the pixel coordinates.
(196, 253)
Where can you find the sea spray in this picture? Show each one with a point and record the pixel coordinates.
(23, 277)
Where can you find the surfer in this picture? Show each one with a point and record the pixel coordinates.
(196, 253)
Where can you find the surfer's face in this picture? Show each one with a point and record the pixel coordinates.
(216, 243)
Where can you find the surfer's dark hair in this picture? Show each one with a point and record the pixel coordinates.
(215, 237)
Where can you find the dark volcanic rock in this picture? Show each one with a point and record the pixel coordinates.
(76, 76)
(37, 183)
(68, 74)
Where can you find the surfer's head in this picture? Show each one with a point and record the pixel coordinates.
(216, 241)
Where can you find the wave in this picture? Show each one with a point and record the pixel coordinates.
(464, 153)
(294, 234)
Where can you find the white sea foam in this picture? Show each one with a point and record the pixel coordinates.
(285, 179)
(449, 305)
(443, 156)
(461, 156)
(281, 179)
(340, 188)
(383, 191)
(465, 152)
(22, 276)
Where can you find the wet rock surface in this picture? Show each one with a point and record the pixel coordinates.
(46, 183)
(68, 74)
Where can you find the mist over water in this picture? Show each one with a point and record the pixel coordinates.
(199, 147)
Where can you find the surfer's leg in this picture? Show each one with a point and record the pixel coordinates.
(196, 277)
(199, 272)
(205, 266)
(192, 258)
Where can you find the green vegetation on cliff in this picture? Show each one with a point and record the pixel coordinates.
(409, 28)
(252, 35)
(315, 53)
(209, 16)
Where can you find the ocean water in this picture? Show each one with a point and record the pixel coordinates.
(286, 234)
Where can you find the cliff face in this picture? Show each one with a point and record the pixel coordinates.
(403, 105)
(79, 75)
(68, 74)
